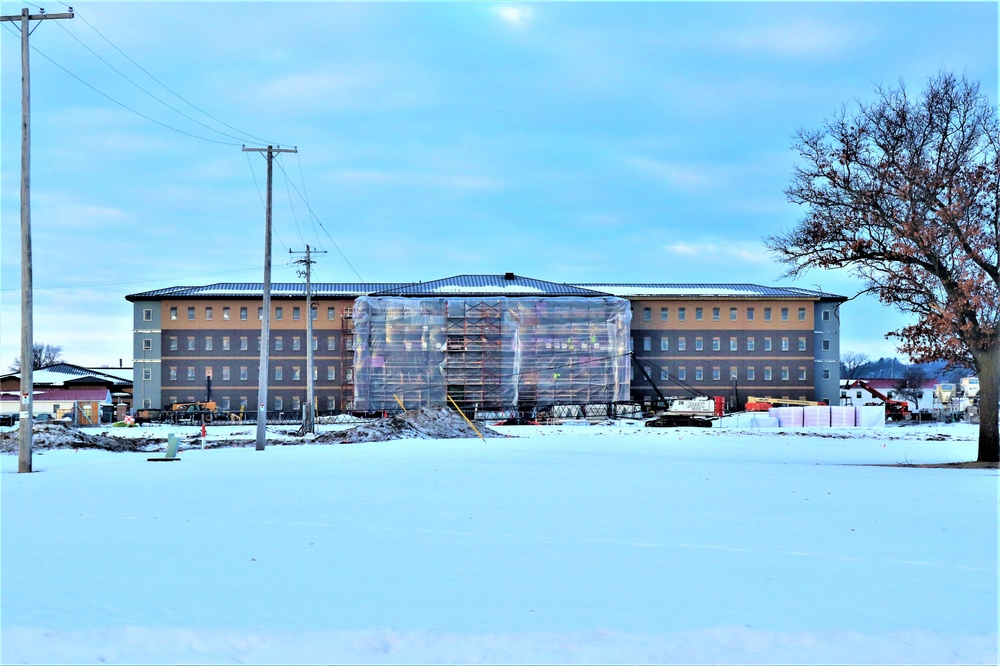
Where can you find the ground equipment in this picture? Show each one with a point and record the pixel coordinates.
(895, 410)
(697, 412)
(764, 404)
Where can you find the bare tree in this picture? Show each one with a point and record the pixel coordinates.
(42, 355)
(852, 364)
(911, 386)
(905, 192)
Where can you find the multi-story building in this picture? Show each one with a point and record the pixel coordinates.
(732, 340)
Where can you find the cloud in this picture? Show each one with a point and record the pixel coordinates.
(514, 14)
(753, 254)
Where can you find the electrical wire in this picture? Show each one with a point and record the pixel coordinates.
(262, 202)
(305, 197)
(75, 285)
(291, 205)
(165, 87)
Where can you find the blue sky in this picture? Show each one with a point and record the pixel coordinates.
(572, 142)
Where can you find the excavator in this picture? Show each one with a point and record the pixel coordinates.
(895, 410)
(698, 412)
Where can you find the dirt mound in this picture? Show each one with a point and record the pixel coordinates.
(424, 423)
(47, 436)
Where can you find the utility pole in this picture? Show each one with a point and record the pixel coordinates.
(309, 423)
(265, 324)
(25, 417)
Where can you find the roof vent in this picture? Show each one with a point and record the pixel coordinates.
(508, 276)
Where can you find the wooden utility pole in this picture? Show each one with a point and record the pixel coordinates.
(265, 323)
(309, 420)
(25, 417)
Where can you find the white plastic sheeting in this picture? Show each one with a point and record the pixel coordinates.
(490, 352)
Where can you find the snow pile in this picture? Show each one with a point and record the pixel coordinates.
(48, 436)
(423, 423)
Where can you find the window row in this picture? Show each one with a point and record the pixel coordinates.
(279, 402)
(750, 373)
(295, 373)
(681, 343)
(208, 312)
(750, 313)
(207, 343)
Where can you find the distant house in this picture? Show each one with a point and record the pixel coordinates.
(888, 387)
(102, 386)
(84, 406)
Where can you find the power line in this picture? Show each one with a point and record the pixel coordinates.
(167, 88)
(291, 205)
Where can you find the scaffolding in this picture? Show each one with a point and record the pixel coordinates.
(490, 353)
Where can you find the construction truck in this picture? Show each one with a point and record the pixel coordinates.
(199, 411)
(697, 412)
(895, 410)
(764, 404)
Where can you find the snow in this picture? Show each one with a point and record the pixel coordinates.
(608, 544)
(682, 290)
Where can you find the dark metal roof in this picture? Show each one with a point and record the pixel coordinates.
(488, 285)
(256, 290)
(703, 290)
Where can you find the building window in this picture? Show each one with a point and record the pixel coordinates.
(826, 315)
(147, 374)
(699, 374)
(732, 314)
(784, 374)
(767, 344)
(147, 343)
(278, 404)
(208, 313)
(315, 373)
(751, 343)
(191, 346)
(681, 344)
(296, 373)
(147, 403)
(331, 404)
(784, 344)
(716, 374)
(296, 343)
(208, 372)
(767, 373)
(681, 314)
(258, 343)
(784, 314)
(716, 344)
(279, 344)
(331, 373)
(191, 313)
(750, 374)
(173, 373)
(173, 314)
(716, 314)
(663, 314)
(278, 373)
(243, 373)
(225, 313)
(208, 343)
(647, 314)
(699, 344)
(749, 314)
(244, 343)
(190, 373)
(260, 312)
(802, 314)
(699, 314)
(243, 313)
(296, 403)
(147, 315)
(681, 373)
(225, 373)
(664, 374)
(826, 374)
(315, 313)
(331, 313)
(226, 404)
(349, 344)
(279, 312)
(664, 344)
(173, 343)
(733, 344)
(647, 343)
(802, 374)
(296, 313)
(243, 402)
(826, 345)
(802, 344)
(767, 314)
(225, 343)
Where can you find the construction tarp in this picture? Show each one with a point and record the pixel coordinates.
(490, 352)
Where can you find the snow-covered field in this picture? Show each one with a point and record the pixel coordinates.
(601, 544)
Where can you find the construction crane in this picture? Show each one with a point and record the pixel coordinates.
(895, 410)
(696, 412)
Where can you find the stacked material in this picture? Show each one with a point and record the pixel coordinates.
(816, 416)
(788, 417)
(870, 416)
(842, 417)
